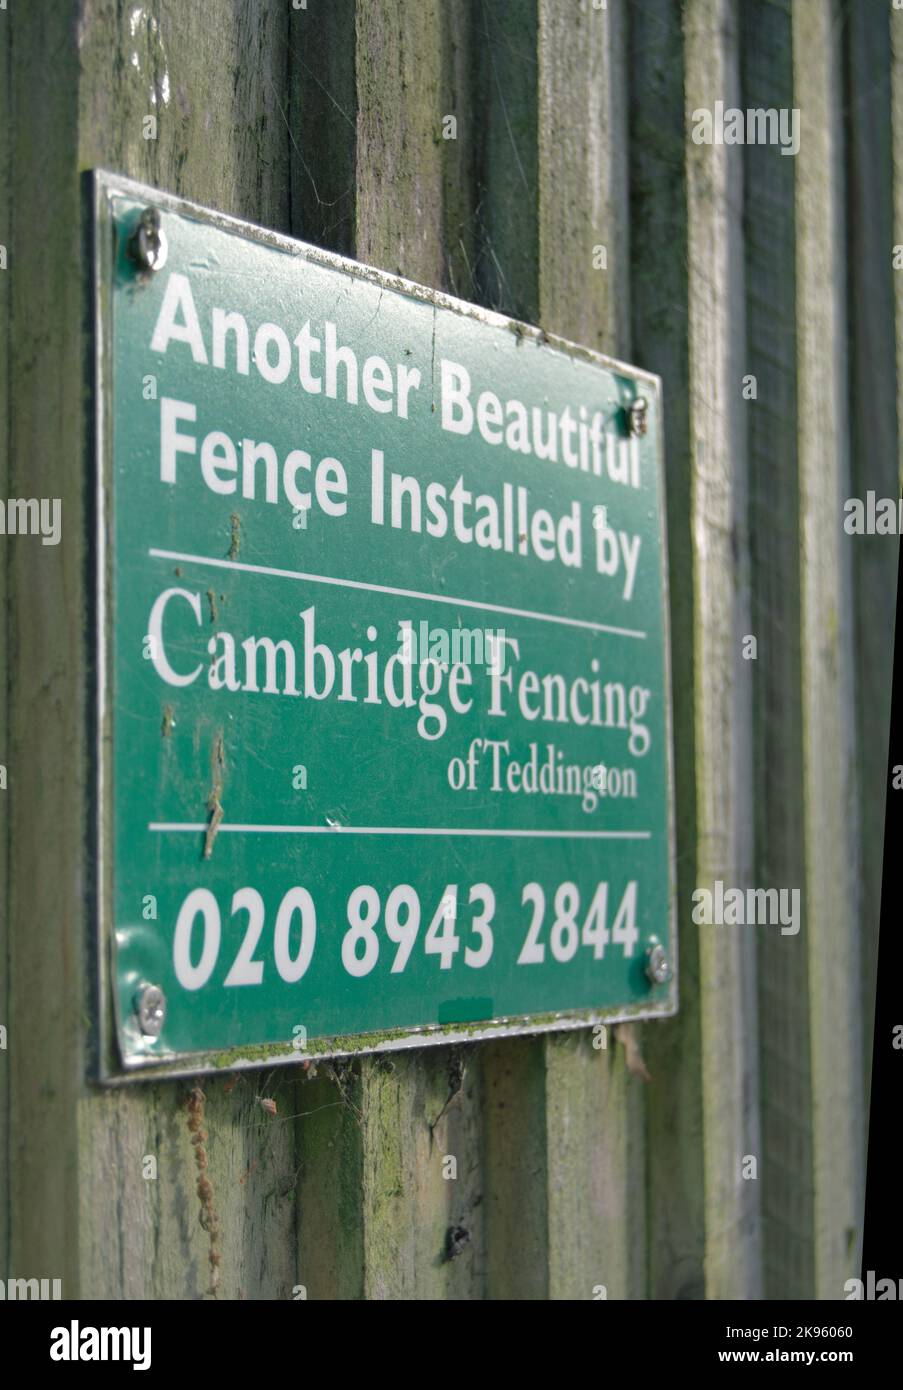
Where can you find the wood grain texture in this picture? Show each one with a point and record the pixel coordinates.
(660, 297)
(459, 97)
(583, 183)
(330, 1182)
(399, 137)
(323, 102)
(594, 1107)
(421, 1214)
(594, 1160)
(46, 660)
(515, 1169)
(716, 324)
(874, 442)
(507, 267)
(785, 1170)
(829, 771)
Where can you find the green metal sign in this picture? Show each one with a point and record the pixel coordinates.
(383, 693)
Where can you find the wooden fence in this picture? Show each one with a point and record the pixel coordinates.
(325, 121)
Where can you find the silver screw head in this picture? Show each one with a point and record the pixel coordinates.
(658, 971)
(147, 245)
(150, 1006)
(638, 416)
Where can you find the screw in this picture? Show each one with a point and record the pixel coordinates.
(147, 245)
(658, 971)
(638, 416)
(150, 1006)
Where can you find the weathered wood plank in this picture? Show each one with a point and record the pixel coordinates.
(724, 680)
(421, 1217)
(324, 190)
(785, 1169)
(330, 1230)
(508, 173)
(391, 1188)
(551, 190)
(515, 1170)
(594, 1163)
(399, 141)
(46, 661)
(829, 772)
(164, 1235)
(594, 1114)
(703, 1116)
(323, 51)
(660, 295)
(874, 442)
(459, 98)
(583, 167)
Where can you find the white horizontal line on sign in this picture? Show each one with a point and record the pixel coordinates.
(201, 826)
(385, 589)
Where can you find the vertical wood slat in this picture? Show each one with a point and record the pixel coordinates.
(702, 1109)
(399, 161)
(507, 160)
(660, 296)
(330, 1180)
(517, 1216)
(875, 462)
(593, 1107)
(459, 78)
(45, 661)
(564, 1121)
(785, 1169)
(515, 1116)
(584, 151)
(409, 1204)
(323, 104)
(724, 681)
(829, 773)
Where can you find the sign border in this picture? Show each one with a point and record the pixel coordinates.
(110, 1067)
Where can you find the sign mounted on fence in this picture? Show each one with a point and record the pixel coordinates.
(382, 650)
